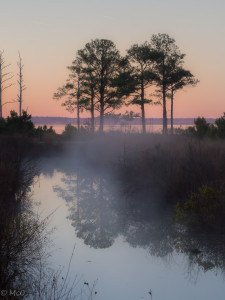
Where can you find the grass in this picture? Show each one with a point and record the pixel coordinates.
(169, 169)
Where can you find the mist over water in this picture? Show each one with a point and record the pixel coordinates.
(121, 223)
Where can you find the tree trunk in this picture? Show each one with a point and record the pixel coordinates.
(101, 117)
(143, 118)
(78, 115)
(164, 100)
(78, 103)
(21, 104)
(142, 105)
(172, 112)
(164, 111)
(0, 101)
(0, 88)
(20, 85)
(20, 100)
(101, 107)
(92, 113)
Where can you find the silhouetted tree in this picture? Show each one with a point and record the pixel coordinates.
(101, 62)
(89, 86)
(72, 91)
(142, 59)
(179, 79)
(169, 57)
(4, 78)
(21, 84)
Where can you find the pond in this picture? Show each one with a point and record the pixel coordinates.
(127, 247)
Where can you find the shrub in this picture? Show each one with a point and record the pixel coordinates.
(70, 131)
(2, 125)
(42, 131)
(202, 127)
(19, 124)
(220, 123)
(206, 208)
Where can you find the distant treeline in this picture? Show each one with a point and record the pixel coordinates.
(111, 120)
(23, 125)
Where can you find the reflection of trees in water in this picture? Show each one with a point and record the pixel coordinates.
(163, 238)
(151, 235)
(92, 206)
(205, 252)
(100, 213)
(95, 218)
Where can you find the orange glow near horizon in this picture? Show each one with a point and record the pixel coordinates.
(190, 102)
(48, 34)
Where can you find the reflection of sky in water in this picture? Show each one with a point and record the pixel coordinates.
(123, 272)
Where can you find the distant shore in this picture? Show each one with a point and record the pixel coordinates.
(112, 121)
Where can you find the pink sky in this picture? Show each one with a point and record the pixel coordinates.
(48, 34)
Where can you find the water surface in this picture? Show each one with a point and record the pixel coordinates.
(129, 245)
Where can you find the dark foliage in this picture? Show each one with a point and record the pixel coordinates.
(17, 124)
(202, 129)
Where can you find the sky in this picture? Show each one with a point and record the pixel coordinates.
(48, 34)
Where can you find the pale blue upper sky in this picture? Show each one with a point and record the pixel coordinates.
(49, 32)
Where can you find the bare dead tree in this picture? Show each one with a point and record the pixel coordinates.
(21, 84)
(5, 77)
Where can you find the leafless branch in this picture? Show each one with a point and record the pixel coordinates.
(4, 77)
(13, 101)
(6, 87)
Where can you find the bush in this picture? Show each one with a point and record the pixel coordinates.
(19, 124)
(220, 123)
(206, 208)
(44, 131)
(69, 132)
(2, 125)
(16, 168)
(203, 129)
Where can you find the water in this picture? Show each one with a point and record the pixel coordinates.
(127, 250)
(59, 128)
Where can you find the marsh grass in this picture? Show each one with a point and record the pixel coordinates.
(165, 170)
(175, 167)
